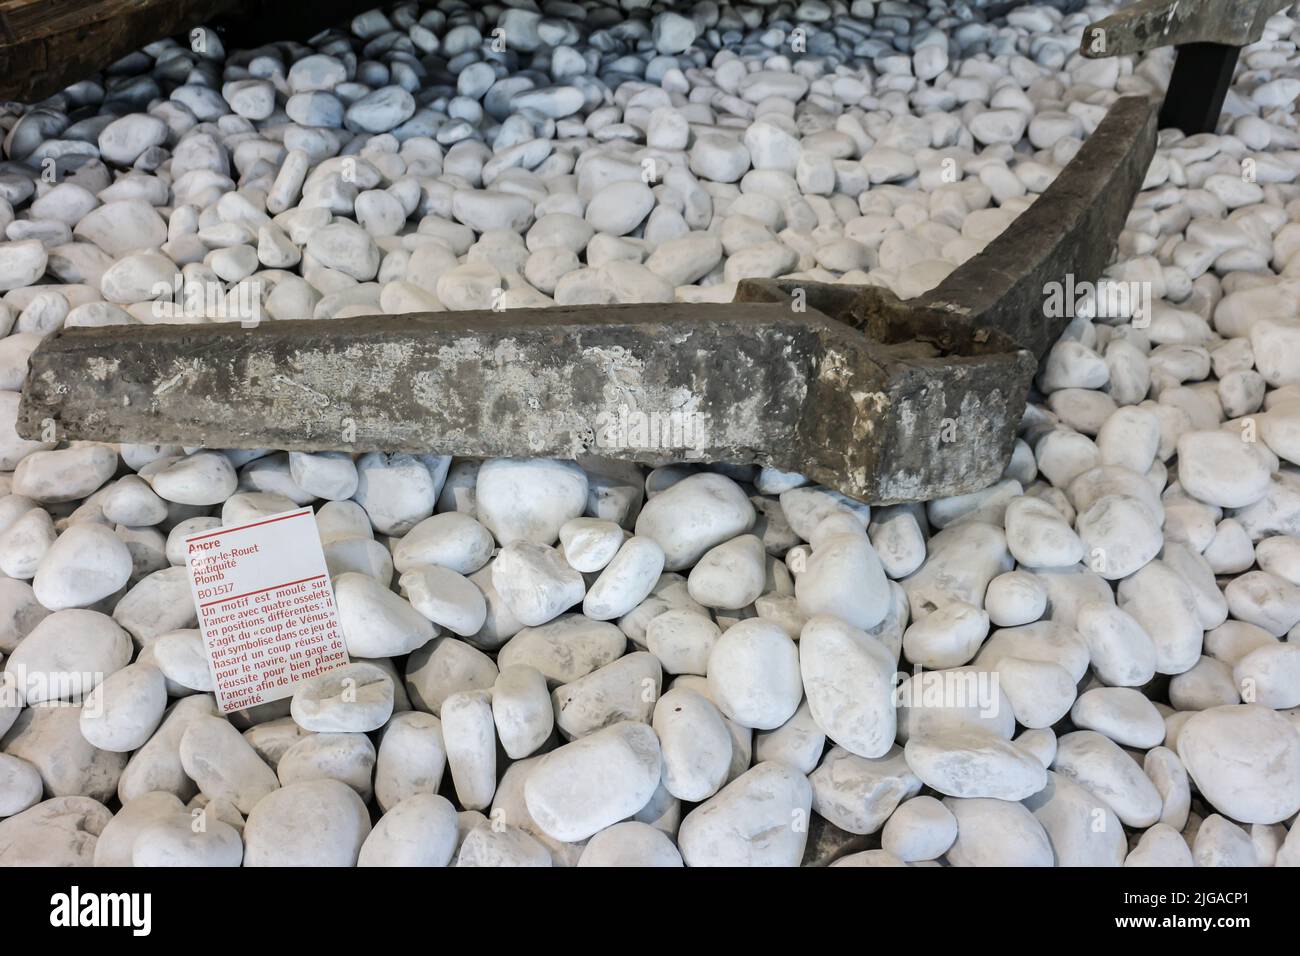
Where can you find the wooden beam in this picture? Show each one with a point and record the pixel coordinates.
(46, 45)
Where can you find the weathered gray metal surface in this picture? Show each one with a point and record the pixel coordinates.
(757, 382)
(882, 399)
(1155, 23)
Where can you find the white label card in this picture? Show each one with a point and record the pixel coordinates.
(266, 607)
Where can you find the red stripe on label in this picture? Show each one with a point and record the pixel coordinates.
(245, 527)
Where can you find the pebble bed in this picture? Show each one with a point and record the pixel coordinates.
(594, 663)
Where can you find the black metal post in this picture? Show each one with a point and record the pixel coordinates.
(1202, 74)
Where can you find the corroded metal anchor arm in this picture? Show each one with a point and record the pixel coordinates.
(885, 400)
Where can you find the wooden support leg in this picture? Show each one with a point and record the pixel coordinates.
(1202, 74)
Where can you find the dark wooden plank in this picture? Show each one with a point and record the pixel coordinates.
(45, 45)
(49, 44)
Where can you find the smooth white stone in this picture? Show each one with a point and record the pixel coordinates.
(730, 575)
(858, 794)
(529, 499)
(535, 583)
(218, 758)
(411, 758)
(566, 648)
(626, 581)
(625, 690)
(418, 831)
(848, 676)
(398, 491)
(1121, 652)
(521, 710)
(1219, 468)
(1162, 603)
(375, 621)
(975, 764)
(1015, 598)
(1100, 766)
(844, 577)
(469, 736)
(753, 675)
(1245, 761)
(798, 742)
(1038, 537)
(452, 540)
(682, 640)
(314, 823)
(694, 515)
(585, 786)
(630, 844)
(753, 821)
(590, 543)
(695, 742)
(86, 563)
(354, 698)
(997, 833)
(1040, 692)
(204, 478)
(443, 667)
(446, 598)
(1081, 832)
(949, 637)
